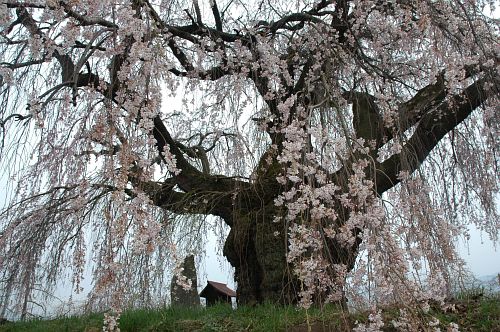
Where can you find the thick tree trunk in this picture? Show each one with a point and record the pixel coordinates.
(256, 247)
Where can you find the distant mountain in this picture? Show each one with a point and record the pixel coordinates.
(488, 277)
(490, 282)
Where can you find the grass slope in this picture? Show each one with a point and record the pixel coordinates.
(470, 315)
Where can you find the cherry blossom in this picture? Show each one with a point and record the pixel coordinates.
(342, 146)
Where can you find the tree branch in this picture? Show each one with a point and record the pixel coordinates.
(180, 55)
(196, 202)
(198, 12)
(367, 120)
(216, 13)
(432, 127)
(294, 17)
(86, 20)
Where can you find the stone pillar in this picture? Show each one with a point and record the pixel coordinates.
(178, 295)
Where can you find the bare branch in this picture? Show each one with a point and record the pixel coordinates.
(198, 12)
(216, 13)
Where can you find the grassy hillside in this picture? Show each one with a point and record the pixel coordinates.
(470, 314)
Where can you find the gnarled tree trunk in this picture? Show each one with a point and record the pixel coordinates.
(257, 248)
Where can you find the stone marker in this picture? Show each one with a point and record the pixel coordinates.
(178, 295)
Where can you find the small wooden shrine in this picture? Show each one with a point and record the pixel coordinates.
(217, 292)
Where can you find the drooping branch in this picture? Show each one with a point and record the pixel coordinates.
(432, 127)
(367, 120)
(69, 76)
(202, 192)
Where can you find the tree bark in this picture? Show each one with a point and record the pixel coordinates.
(256, 248)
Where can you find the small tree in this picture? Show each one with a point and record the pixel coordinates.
(303, 126)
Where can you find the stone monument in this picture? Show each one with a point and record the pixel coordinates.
(178, 295)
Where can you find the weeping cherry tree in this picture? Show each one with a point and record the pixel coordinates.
(343, 145)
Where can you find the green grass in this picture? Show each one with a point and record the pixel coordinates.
(260, 318)
(483, 315)
(266, 317)
(83, 323)
(471, 315)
